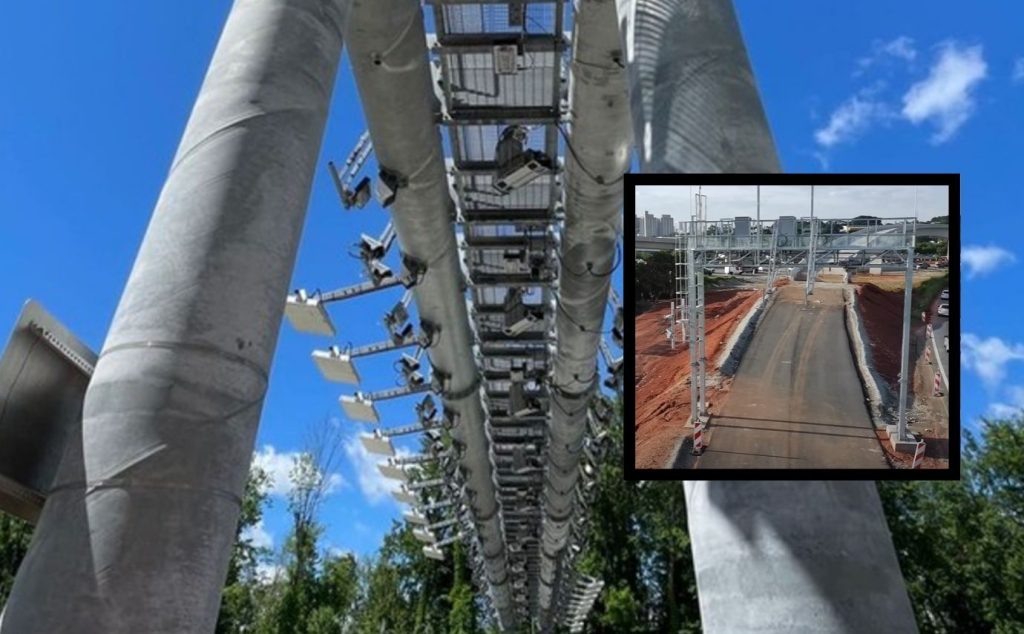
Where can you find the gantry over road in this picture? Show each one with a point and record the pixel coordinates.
(796, 400)
(803, 331)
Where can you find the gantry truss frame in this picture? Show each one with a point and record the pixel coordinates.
(806, 246)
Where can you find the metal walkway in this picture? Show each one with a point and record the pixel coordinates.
(499, 76)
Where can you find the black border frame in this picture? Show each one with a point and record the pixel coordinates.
(952, 181)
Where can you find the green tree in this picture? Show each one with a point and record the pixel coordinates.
(654, 278)
(961, 543)
(15, 535)
(462, 617)
(239, 604)
(300, 607)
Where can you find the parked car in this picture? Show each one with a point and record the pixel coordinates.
(944, 294)
(945, 341)
(944, 310)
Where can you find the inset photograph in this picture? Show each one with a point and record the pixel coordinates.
(789, 327)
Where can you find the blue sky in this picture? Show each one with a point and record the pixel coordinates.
(96, 96)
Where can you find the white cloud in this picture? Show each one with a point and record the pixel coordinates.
(269, 573)
(850, 120)
(374, 485)
(1002, 410)
(1018, 70)
(982, 260)
(279, 466)
(945, 97)
(1015, 395)
(989, 357)
(900, 48)
(258, 535)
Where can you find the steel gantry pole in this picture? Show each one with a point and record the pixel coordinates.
(774, 557)
(757, 245)
(387, 47)
(683, 88)
(137, 532)
(906, 372)
(811, 272)
(600, 144)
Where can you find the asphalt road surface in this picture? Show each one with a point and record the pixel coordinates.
(797, 400)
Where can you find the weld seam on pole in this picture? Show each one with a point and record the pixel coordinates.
(192, 347)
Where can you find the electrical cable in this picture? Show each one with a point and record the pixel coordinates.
(577, 324)
(590, 265)
(597, 179)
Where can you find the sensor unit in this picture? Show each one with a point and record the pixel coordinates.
(405, 496)
(376, 444)
(424, 535)
(415, 517)
(521, 170)
(359, 408)
(336, 366)
(433, 552)
(393, 472)
(307, 314)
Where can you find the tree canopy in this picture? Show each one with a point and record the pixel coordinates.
(960, 546)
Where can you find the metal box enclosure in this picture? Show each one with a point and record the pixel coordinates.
(741, 226)
(377, 444)
(405, 496)
(359, 408)
(393, 472)
(433, 552)
(336, 366)
(424, 535)
(44, 373)
(415, 517)
(786, 226)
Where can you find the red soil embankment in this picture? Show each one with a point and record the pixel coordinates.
(882, 314)
(661, 381)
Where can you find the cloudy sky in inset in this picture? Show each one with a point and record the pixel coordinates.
(837, 201)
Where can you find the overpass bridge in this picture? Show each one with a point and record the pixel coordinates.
(644, 244)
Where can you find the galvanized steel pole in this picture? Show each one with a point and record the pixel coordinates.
(388, 50)
(137, 532)
(906, 372)
(770, 557)
(600, 144)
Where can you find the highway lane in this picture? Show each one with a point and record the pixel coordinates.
(796, 401)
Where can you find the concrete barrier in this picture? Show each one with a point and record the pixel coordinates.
(938, 361)
(878, 393)
(729, 357)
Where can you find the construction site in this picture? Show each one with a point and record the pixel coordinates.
(783, 343)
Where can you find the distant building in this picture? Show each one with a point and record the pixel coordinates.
(639, 226)
(667, 228)
(650, 225)
(741, 226)
(786, 226)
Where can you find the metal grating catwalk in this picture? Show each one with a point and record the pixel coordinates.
(508, 239)
(510, 454)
